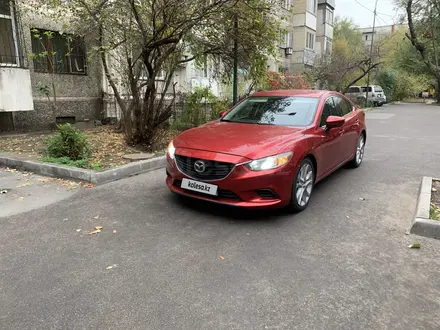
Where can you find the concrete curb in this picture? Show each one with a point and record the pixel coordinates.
(422, 225)
(67, 172)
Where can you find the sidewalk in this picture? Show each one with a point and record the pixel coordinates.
(23, 191)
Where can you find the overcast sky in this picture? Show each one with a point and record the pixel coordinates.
(357, 10)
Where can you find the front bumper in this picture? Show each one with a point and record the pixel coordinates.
(241, 188)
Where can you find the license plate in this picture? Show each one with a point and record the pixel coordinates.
(202, 187)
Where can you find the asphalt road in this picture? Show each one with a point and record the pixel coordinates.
(341, 264)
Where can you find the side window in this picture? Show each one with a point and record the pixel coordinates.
(342, 106)
(338, 107)
(327, 111)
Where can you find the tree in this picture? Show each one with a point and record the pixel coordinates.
(349, 61)
(424, 24)
(142, 43)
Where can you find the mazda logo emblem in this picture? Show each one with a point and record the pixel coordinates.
(199, 166)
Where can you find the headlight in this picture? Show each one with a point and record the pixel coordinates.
(270, 163)
(171, 150)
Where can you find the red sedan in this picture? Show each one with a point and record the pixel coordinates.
(269, 150)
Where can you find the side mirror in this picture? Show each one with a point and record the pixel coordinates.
(334, 122)
(222, 114)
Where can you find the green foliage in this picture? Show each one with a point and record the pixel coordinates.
(81, 163)
(388, 81)
(68, 142)
(201, 106)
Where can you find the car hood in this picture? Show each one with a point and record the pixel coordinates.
(252, 141)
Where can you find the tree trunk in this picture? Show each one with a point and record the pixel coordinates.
(438, 89)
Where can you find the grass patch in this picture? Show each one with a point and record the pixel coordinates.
(81, 163)
(434, 212)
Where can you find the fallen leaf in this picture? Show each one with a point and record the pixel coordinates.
(89, 185)
(94, 232)
(20, 198)
(78, 230)
(414, 246)
(361, 198)
(25, 185)
(407, 232)
(98, 227)
(114, 231)
(434, 189)
(348, 217)
(97, 217)
(222, 258)
(12, 170)
(4, 191)
(109, 267)
(65, 219)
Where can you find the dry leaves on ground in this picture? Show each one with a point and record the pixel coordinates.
(108, 146)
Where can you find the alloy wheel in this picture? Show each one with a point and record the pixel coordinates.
(360, 149)
(304, 184)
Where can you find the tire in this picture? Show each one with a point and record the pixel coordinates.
(359, 153)
(304, 180)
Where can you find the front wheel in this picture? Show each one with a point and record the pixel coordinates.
(302, 186)
(360, 149)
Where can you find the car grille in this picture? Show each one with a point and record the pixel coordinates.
(222, 194)
(213, 170)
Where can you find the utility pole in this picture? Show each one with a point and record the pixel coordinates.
(371, 52)
(235, 74)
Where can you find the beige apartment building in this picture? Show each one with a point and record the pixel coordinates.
(309, 34)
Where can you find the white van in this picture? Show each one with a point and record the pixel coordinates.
(358, 94)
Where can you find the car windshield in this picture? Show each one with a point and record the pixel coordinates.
(274, 110)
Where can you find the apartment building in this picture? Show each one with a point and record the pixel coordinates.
(24, 77)
(380, 33)
(309, 33)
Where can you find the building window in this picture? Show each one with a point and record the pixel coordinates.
(311, 6)
(8, 37)
(287, 4)
(58, 53)
(285, 40)
(310, 40)
(329, 16)
(366, 37)
(328, 46)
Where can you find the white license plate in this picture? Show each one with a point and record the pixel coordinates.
(198, 186)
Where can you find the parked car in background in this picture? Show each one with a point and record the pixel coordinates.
(269, 150)
(358, 94)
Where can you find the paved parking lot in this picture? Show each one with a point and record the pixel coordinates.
(174, 264)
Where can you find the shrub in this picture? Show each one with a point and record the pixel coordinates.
(68, 142)
(388, 81)
(201, 106)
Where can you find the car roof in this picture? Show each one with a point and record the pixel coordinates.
(293, 92)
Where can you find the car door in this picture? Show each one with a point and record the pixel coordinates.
(327, 151)
(350, 129)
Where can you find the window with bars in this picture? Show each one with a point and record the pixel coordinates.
(58, 53)
(287, 4)
(8, 35)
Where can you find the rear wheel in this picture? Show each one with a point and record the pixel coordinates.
(359, 155)
(302, 186)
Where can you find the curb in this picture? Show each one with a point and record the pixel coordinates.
(422, 225)
(98, 178)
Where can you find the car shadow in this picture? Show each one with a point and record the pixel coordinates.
(236, 214)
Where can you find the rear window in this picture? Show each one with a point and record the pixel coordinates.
(353, 90)
(364, 89)
(378, 89)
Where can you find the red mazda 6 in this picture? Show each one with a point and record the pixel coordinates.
(269, 150)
